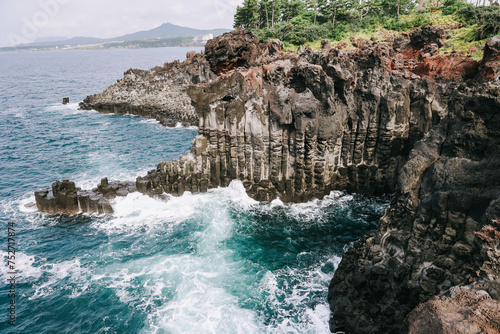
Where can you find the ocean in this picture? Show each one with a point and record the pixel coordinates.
(217, 262)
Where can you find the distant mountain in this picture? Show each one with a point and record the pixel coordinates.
(68, 41)
(49, 39)
(166, 30)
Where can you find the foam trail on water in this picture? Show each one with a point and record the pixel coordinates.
(25, 267)
(59, 107)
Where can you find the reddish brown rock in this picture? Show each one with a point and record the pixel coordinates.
(490, 65)
(239, 48)
(447, 67)
(470, 312)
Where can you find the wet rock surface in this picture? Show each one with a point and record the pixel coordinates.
(64, 197)
(382, 119)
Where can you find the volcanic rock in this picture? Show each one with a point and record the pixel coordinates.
(231, 50)
(63, 197)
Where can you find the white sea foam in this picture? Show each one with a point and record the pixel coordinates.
(45, 277)
(58, 107)
(24, 266)
(149, 121)
(204, 289)
(290, 301)
(183, 293)
(137, 210)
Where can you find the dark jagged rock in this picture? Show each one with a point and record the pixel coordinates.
(423, 37)
(490, 65)
(272, 47)
(372, 121)
(65, 100)
(60, 198)
(63, 197)
(303, 125)
(326, 45)
(232, 50)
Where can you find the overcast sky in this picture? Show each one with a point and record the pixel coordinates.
(26, 20)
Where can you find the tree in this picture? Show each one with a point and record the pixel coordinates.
(247, 16)
(335, 8)
(291, 9)
(316, 6)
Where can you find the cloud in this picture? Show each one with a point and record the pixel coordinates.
(31, 19)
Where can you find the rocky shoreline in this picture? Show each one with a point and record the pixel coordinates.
(393, 117)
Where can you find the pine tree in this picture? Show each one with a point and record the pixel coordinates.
(247, 16)
(335, 8)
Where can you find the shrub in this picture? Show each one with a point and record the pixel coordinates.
(399, 25)
(452, 6)
(338, 32)
(487, 19)
(315, 32)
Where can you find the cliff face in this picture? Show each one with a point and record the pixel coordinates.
(298, 126)
(387, 118)
(429, 239)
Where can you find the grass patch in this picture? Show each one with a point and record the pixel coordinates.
(463, 41)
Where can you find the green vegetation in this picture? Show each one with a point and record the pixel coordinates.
(305, 22)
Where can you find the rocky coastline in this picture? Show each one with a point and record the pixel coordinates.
(392, 117)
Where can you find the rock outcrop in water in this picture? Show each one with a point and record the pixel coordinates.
(386, 118)
(158, 93)
(64, 197)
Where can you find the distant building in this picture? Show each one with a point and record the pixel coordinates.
(203, 38)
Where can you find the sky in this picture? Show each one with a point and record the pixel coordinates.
(27, 20)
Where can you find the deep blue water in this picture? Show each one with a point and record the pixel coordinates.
(205, 263)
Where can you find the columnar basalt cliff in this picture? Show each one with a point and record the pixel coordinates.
(386, 118)
(430, 238)
(64, 197)
(299, 126)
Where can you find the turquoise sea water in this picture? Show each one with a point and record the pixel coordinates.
(218, 262)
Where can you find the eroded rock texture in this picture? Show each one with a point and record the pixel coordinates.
(466, 312)
(427, 243)
(298, 126)
(64, 197)
(158, 93)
